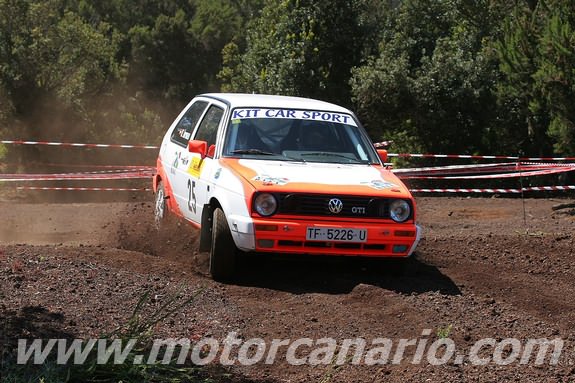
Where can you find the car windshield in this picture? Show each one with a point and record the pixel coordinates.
(297, 135)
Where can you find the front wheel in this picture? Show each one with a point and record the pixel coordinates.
(223, 250)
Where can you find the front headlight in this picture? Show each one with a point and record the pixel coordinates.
(399, 210)
(265, 204)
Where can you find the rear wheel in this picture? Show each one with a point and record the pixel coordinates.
(223, 250)
(160, 208)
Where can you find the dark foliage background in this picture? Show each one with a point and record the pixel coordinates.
(449, 76)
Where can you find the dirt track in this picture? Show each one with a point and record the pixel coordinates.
(493, 268)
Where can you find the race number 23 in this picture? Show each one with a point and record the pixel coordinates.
(191, 196)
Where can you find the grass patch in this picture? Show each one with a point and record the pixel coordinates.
(138, 331)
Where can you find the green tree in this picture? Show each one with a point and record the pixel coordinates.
(291, 49)
(53, 62)
(517, 50)
(111, 69)
(537, 53)
(167, 59)
(555, 75)
(431, 86)
(173, 48)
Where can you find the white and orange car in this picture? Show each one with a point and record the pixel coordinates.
(276, 174)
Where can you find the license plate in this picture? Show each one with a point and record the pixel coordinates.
(336, 234)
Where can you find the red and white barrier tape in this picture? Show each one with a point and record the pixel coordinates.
(549, 188)
(482, 168)
(497, 191)
(474, 157)
(399, 155)
(80, 145)
(457, 168)
(465, 156)
(515, 174)
(62, 165)
(493, 191)
(145, 170)
(461, 190)
(80, 189)
(72, 177)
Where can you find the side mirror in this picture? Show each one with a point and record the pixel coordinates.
(382, 155)
(197, 146)
(211, 151)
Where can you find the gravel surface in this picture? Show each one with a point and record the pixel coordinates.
(486, 268)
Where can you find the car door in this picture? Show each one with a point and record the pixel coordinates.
(200, 169)
(176, 157)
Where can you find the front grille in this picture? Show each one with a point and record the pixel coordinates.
(318, 205)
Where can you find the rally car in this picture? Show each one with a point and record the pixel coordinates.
(278, 174)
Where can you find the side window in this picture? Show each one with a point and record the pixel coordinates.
(208, 129)
(183, 130)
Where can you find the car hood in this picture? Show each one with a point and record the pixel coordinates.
(311, 177)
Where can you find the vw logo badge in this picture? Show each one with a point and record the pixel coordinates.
(335, 205)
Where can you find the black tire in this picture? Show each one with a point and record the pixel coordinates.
(223, 251)
(160, 206)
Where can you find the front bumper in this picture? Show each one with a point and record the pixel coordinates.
(289, 236)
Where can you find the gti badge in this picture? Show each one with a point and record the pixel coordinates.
(335, 205)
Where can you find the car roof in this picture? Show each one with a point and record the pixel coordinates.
(246, 100)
